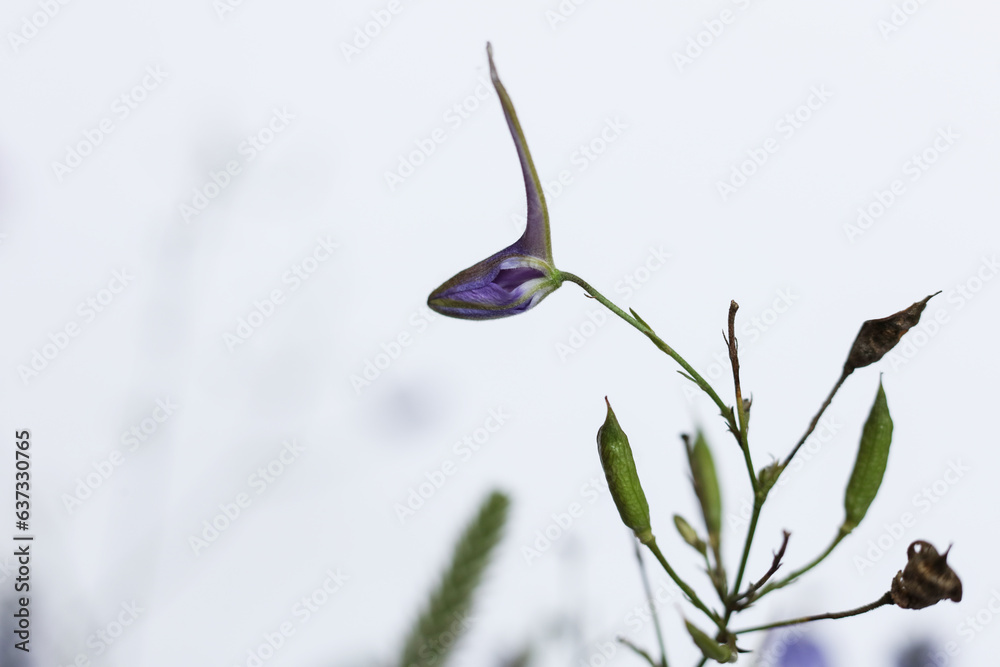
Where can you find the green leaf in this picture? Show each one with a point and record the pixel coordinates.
(446, 616)
(639, 319)
(869, 467)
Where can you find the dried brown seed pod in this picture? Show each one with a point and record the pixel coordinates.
(927, 578)
(877, 337)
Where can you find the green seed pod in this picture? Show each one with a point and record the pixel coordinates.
(689, 534)
(710, 648)
(869, 467)
(623, 480)
(706, 487)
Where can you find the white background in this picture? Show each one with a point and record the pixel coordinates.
(685, 127)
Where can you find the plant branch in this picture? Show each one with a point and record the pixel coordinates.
(741, 408)
(639, 651)
(691, 595)
(773, 586)
(757, 504)
(727, 412)
(748, 596)
(652, 606)
(882, 601)
(815, 420)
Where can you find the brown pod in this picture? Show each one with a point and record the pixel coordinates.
(877, 337)
(927, 578)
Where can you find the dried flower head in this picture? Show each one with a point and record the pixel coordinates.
(926, 580)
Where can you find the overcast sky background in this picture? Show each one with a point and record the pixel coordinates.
(168, 170)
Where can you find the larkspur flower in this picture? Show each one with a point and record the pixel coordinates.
(519, 276)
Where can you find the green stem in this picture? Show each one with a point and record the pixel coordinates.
(727, 412)
(815, 420)
(692, 596)
(758, 503)
(882, 601)
(652, 606)
(638, 651)
(798, 573)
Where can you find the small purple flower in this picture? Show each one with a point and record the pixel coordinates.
(803, 652)
(519, 276)
(791, 648)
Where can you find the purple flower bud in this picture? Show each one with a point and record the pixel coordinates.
(519, 276)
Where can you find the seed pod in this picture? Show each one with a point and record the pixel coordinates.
(877, 337)
(869, 467)
(706, 487)
(689, 534)
(623, 480)
(927, 578)
(710, 648)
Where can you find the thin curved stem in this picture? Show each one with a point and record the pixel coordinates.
(815, 420)
(652, 607)
(691, 595)
(882, 601)
(727, 412)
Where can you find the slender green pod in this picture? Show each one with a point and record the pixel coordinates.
(623, 480)
(869, 467)
(706, 487)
